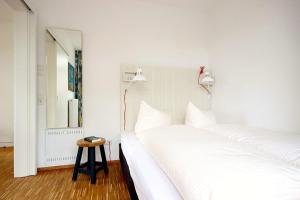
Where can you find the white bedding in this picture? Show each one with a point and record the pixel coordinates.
(150, 182)
(281, 145)
(205, 166)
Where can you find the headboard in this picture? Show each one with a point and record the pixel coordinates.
(166, 89)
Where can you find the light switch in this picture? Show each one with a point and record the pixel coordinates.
(41, 100)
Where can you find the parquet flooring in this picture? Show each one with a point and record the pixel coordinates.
(57, 184)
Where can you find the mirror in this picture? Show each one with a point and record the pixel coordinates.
(64, 78)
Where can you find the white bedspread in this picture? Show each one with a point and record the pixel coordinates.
(281, 145)
(205, 166)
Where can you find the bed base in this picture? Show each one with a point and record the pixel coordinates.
(127, 176)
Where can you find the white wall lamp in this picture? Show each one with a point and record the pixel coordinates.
(207, 81)
(131, 77)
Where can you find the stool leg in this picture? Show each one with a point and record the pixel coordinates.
(92, 164)
(77, 164)
(104, 162)
(89, 161)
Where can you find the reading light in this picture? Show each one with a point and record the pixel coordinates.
(139, 75)
(207, 80)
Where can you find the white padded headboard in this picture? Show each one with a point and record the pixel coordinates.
(167, 89)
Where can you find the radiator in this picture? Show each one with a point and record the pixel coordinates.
(61, 148)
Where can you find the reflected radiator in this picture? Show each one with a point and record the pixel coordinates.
(73, 113)
(61, 148)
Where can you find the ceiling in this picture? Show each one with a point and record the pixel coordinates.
(6, 12)
(195, 4)
(7, 7)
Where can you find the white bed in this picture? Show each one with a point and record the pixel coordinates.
(280, 145)
(207, 166)
(151, 183)
(218, 163)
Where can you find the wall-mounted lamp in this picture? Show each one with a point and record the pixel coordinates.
(139, 76)
(207, 81)
(131, 77)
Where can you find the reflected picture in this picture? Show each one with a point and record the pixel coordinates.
(71, 79)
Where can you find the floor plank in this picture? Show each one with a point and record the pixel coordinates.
(57, 184)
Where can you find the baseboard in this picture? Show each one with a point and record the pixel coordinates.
(41, 169)
(7, 148)
(6, 144)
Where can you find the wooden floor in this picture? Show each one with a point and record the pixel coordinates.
(57, 184)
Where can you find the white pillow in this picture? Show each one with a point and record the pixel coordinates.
(197, 118)
(149, 117)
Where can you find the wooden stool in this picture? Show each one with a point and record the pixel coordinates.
(91, 164)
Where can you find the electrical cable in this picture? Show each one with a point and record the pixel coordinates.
(125, 107)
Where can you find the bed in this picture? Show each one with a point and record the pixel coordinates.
(135, 161)
(202, 164)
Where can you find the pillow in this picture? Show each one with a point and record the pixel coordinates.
(149, 117)
(197, 118)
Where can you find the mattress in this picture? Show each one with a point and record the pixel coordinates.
(150, 182)
(280, 145)
(206, 166)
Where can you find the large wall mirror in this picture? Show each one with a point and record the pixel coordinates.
(64, 78)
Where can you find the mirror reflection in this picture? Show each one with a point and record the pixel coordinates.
(64, 78)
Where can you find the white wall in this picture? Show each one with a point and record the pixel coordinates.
(115, 33)
(254, 52)
(6, 82)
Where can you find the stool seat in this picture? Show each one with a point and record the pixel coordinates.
(83, 143)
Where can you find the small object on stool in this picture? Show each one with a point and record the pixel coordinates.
(92, 166)
(93, 139)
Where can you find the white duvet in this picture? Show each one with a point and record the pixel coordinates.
(206, 166)
(281, 145)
